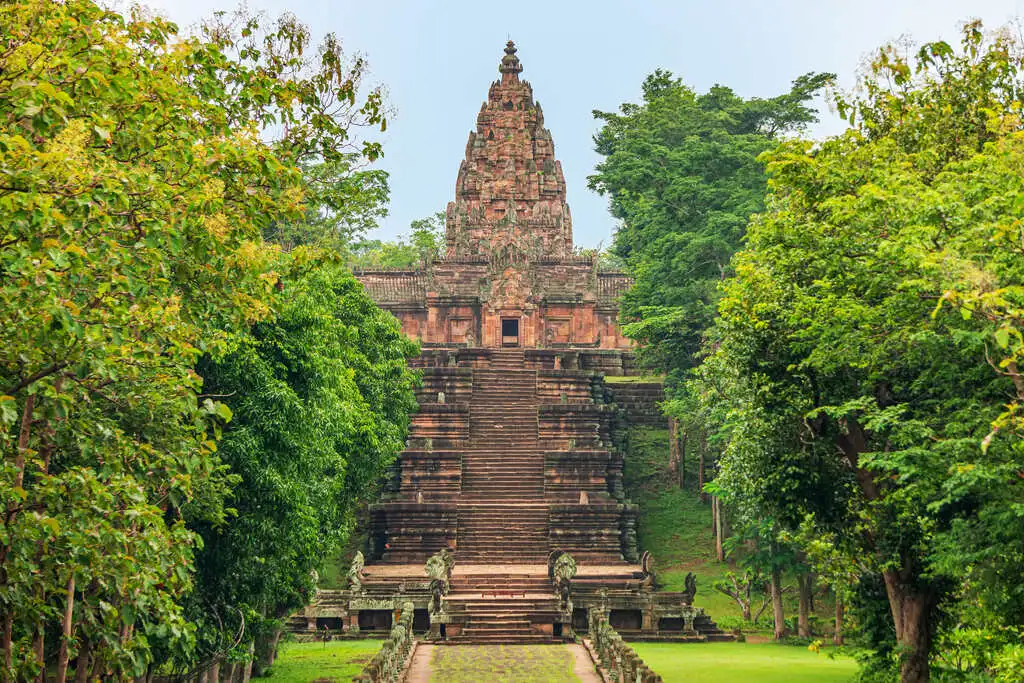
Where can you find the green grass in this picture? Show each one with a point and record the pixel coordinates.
(627, 379)
(338, 660)
(501, 663)
(676, 527)
(743, 662)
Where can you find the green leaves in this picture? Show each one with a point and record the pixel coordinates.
(871, 331)
(321, 396)
(682, 173)
(138, 169)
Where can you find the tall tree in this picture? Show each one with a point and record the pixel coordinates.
(833, 322)
(134, 184)
(320, 397)
(681, 171)
(344, 200)
(424, 243)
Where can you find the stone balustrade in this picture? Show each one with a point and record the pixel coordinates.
(390, 661)
(619, 663)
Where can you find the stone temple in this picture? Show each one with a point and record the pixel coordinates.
(505, 520)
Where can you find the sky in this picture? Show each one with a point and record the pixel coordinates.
(437, 59)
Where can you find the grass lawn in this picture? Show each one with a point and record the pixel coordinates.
(743, 662)
(630, 379)
(502, 664)
(676, 527)
(338, 660)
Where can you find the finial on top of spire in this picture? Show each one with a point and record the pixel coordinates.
(510, 63)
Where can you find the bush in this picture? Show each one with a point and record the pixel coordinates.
(1008, 666)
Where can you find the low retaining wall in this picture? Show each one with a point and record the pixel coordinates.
(389, 664)
(617, 662)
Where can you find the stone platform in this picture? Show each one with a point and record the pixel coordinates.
(520, 465)
(505, 519)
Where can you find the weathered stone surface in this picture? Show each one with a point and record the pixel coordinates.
(510, 253)
(516, 453)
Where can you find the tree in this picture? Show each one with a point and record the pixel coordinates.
(343, 202)
(681, 172)
(134, 184)
(426, 241)
(320, 397)
(834, 326)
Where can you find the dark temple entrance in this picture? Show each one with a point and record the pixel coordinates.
(510, 331)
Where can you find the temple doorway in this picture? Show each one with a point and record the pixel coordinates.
(510, 331)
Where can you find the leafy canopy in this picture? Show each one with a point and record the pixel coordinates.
(844, 356)
(681, 171)
(137, 170)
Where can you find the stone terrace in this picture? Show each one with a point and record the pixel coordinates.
(516, 453)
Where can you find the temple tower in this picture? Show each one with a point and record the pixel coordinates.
(509, 277)
(510, 191)
(513, 468)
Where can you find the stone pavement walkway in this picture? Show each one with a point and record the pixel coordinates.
(501, 664)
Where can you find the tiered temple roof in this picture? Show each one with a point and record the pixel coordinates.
(509, 265)
(510, 186)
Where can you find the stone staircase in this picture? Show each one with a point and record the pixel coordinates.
(502, 533)
(503, 516)
(502, 513)
(500, 607)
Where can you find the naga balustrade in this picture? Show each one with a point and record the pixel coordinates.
(618, 662)
(389, 662)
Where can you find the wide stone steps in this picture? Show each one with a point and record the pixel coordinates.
(502, 532)
(483, 583)
(503, 608)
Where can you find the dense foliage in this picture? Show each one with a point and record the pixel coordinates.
(864, 363)
(320, 397)
(424, 242)
(138, 169)
(682, 174)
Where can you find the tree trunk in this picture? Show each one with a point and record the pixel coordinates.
(719, 529)
(24, 432)
(837, 635)
(912, 615)
(39, 647)
(682, 459)
(265, 651)
(714, 519)
(701, 447)
(8, 637)
(214, 676)
(82, 662)
(777, 608)
(805, 584)
(69, 609)
(23, 439)
(673, 447)
(229, 672)
(247, 665)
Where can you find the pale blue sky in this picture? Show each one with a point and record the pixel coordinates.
(437, 60)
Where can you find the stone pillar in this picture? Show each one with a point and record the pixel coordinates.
(649, 623)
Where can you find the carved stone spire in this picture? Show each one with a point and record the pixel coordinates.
(510, 67)
(509, 170)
